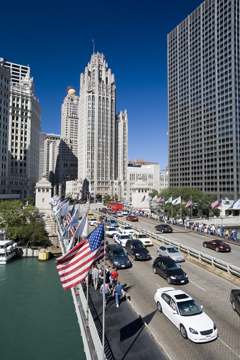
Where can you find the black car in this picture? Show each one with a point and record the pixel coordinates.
(137, 250)
(164, 228)
(235, 300)
(169, 270)
(117, 256)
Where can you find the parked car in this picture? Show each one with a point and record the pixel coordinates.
(121, 239)
(125, 229)
(117, 256)
(137, 250)
(112, 223)
(169, 270)
(111, 231)
(132, 218)
(92, 221)
(217, 245)
(143, 238)
(186, 315)
(170, 251)
(164, 228)
(235, 300)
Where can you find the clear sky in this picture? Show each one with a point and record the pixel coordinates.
(55, 39)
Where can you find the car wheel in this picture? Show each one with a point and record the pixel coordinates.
(169, 280)
(205, 245)
(183, 332)
(154, 270)
(233, 306)
(159, 306)
(217, 249)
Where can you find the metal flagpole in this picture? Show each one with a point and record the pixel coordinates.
(87, 283)
(104, 277)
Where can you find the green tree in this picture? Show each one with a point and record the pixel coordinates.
(98, 197)
(153, 193)
(29, 199)
(22, 223)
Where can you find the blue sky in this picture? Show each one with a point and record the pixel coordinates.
(55, 39)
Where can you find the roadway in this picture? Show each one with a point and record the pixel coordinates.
(206, 288)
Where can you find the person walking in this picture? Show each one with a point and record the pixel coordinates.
(114, 277)
(95, 276)
(222, 230)
(118, 292)
(226, 234)
(105, 291)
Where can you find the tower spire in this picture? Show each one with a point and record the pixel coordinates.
(93, 46)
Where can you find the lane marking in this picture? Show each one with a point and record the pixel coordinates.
(229, 348)
(158, 285)
(153, 257)
(197, 285)
(133, 264)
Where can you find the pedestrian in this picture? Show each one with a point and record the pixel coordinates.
(95, 276)
(114, 277)
(118, 292)
(226, 234)
(222, 230)
(235, 235)
(101, 276)
(218, 231)
(105, 291)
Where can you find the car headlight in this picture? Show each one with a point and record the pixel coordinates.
(115, 262)
(128, 262)
(173, 277)
(214, 327)
(137, 254)
(186, 276)
(193, 331)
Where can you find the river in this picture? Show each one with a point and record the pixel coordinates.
(38, 319)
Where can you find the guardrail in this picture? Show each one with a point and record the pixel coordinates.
(229, 268)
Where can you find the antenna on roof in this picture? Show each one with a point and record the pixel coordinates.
(93, 46)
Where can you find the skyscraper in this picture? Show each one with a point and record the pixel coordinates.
(23, 133)
(99, 133)
(4, 123)
(204, 100)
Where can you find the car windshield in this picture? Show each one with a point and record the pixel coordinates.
(219, 243)
(125, 237)
(127, 228)
(111, 229)
(119, 252)
(142, 236)
(189, 308)
(112, 221)
(138, 246)
(172, 250)
(173, 266)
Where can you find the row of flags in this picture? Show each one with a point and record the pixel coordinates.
(215, 204)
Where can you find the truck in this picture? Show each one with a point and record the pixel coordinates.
(115, 206)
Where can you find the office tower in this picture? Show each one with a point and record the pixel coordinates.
(51, 153)
(122, 145)
(4, 123)
(41, 155)
(17, 71)
(24, 134)
(98, 124)
(204, 99)
(69, 120)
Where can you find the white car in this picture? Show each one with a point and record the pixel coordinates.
(111, 231)
(119, 213)
(170, 251)
(125, 212)
(186, 315)
(126, 229)
(143, 238)
(92, 221)
(121, 239)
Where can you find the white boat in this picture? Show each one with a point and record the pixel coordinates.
(7, 250)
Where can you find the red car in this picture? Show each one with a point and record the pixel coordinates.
(132, 218)
(217, 245)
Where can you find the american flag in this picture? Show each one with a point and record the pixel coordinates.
(161, 199)
(217, 203)
(143, 198)
(73, 266)
(189, 203)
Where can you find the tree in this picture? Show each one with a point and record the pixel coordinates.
(22, 223)
(98, 197)
(29, 199)
(153, 193)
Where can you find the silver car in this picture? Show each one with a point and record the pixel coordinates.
(170, 251)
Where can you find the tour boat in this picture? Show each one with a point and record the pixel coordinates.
(7, 250)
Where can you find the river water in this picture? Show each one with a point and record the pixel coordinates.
(38, 319)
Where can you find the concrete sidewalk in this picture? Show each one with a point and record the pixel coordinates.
(126, 337)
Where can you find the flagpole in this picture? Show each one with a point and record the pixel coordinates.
(104, 277)
(87, 317)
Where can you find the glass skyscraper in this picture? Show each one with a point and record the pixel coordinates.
(204, 100)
